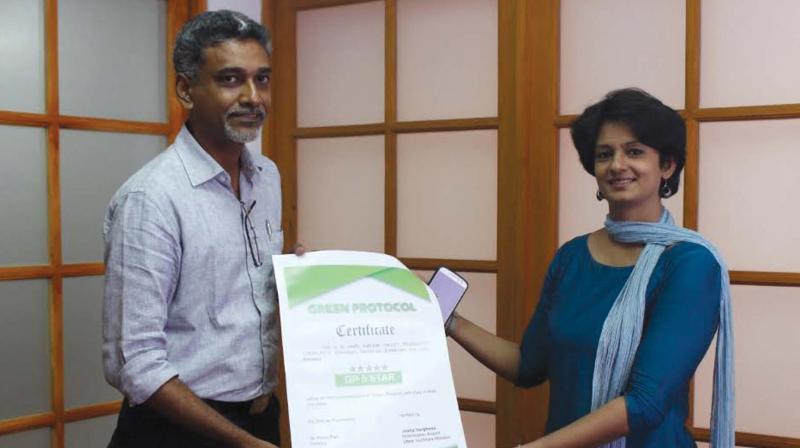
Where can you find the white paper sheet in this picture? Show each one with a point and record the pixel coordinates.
(365, 354)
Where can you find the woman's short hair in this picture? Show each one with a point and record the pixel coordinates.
(651, 122)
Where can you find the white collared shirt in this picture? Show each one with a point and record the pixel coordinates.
(183, 296)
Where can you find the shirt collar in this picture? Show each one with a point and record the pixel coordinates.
(201, 167)
(250, 166)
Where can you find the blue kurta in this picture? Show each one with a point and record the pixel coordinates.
(681, 317)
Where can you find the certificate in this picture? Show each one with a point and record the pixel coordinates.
(365, 354)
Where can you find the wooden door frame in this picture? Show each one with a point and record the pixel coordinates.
(526, 164)
(528, 192)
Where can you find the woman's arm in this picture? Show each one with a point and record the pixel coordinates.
(523, 364)
(496, 353)
(679, 328)
(608, 423)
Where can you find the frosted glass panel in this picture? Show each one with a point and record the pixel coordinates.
(94, 433)
(23, 195)
(472, 379)
(38, 438)
(748, 52)
(748, 180)
(611, 44)
(251, 8)
(112, 58)
(579, 211)
(767, 337)
(479, 429)
(93, 166)
(83, 336)
(480, 302)
(446, 59)
(22, 47)
(340, 195)
(340, 65)
(447, 195)
(25, 351)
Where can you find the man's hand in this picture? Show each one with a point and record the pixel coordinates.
(299, 249)
(259, 404)
(254, 442)
(175, 401)
(262, 444)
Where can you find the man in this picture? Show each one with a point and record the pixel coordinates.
(189, 324)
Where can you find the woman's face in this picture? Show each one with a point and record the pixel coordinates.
(628, 172)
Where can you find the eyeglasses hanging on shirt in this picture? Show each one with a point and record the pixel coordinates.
(251, 235)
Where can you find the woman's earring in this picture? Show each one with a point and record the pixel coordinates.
(599, 196)
(666, 191)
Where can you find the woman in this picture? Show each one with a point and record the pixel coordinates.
(628, 311)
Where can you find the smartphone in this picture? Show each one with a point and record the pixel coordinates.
(449, 288)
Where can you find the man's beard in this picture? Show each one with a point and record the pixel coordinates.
(243, 135)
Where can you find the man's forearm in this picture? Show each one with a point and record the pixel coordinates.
(176, 402)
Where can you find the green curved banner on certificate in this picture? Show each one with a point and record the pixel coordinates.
(304, 283)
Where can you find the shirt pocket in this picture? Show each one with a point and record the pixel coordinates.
(274, 247)
(275, 243)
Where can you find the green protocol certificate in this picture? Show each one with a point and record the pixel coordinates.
(365, 354)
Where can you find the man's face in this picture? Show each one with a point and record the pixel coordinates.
(231, 95)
